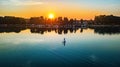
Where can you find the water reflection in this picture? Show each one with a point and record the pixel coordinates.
(107, 30)
(52, 50)
(99, 30)
(57, 30)
(11, 29)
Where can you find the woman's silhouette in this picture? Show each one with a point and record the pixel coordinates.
(64, 42)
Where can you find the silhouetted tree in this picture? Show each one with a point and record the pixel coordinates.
(66, 21)
(109, 19)
(37, 20)
(12, 20)
(71, 21)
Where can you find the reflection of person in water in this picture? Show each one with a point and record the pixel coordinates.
(64, 42)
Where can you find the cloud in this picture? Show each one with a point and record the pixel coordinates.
(20, 2)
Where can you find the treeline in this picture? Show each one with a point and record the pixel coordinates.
(107, 20)
(98, 20)
(37, 20)
(56, 21)
(12, 20)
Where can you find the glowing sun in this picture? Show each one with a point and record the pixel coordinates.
(51, 16)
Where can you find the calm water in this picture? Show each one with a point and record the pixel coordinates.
(85, 48)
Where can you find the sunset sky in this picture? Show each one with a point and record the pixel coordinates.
(85, 9)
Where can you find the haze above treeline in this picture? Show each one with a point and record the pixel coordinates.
(101, 19)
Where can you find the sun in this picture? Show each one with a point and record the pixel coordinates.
(51, 16)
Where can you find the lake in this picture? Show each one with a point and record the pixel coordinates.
(60, 47)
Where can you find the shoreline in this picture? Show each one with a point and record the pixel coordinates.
(53, 26)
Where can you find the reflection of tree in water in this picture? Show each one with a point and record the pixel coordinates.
(81, 30)
(107, 30)
(35, 30)
(58, 30)
(100, 30)
(11, 29)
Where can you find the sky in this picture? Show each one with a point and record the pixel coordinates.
(85, 9)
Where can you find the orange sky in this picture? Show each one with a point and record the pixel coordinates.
(85, 9)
